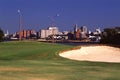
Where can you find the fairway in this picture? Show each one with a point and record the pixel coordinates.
(41, 61)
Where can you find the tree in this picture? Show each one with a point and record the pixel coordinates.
(111, 36)
(1, 34)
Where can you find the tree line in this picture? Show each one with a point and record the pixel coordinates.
(1, 35)
(111, 36)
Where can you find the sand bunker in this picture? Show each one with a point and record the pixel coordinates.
(94, 53)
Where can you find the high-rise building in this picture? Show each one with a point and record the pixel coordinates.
(78, 34)
(75, 28)
(7, 33)
(84, 29)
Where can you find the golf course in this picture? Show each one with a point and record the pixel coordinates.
(32, 60)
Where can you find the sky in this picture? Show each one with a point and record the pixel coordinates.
(38, 14)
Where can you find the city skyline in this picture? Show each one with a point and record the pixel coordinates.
(66, 13)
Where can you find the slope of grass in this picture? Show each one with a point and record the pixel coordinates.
(40, 61)
(29, 50)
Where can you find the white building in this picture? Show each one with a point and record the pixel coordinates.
(84, 29)
(50, 31)
(97, 31)
(75, 28)
(83, 35)
(53, 30)
(96, 35)
(6, 34)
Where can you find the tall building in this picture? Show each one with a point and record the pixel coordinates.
(84, 29)
(78, 34)
(75, 28)
(7, 33)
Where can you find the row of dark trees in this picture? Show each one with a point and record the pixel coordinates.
(111, 36)
(1, 34)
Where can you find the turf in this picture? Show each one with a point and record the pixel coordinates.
(40, 61)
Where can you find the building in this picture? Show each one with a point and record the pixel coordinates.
(44, 33)
(53, 30)
(97, 31)
(78, 34)
(70, 35)
(96, 35)
(84, 29)
(6, 34)
(75, 28)
(83, 35)
(26, 34)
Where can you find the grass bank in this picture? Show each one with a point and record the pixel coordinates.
(40, 61)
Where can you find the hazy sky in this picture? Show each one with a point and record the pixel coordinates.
(92, 13)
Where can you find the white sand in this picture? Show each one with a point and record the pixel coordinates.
(94, 53)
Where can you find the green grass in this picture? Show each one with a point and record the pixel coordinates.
(40, 61)
(29, 50)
